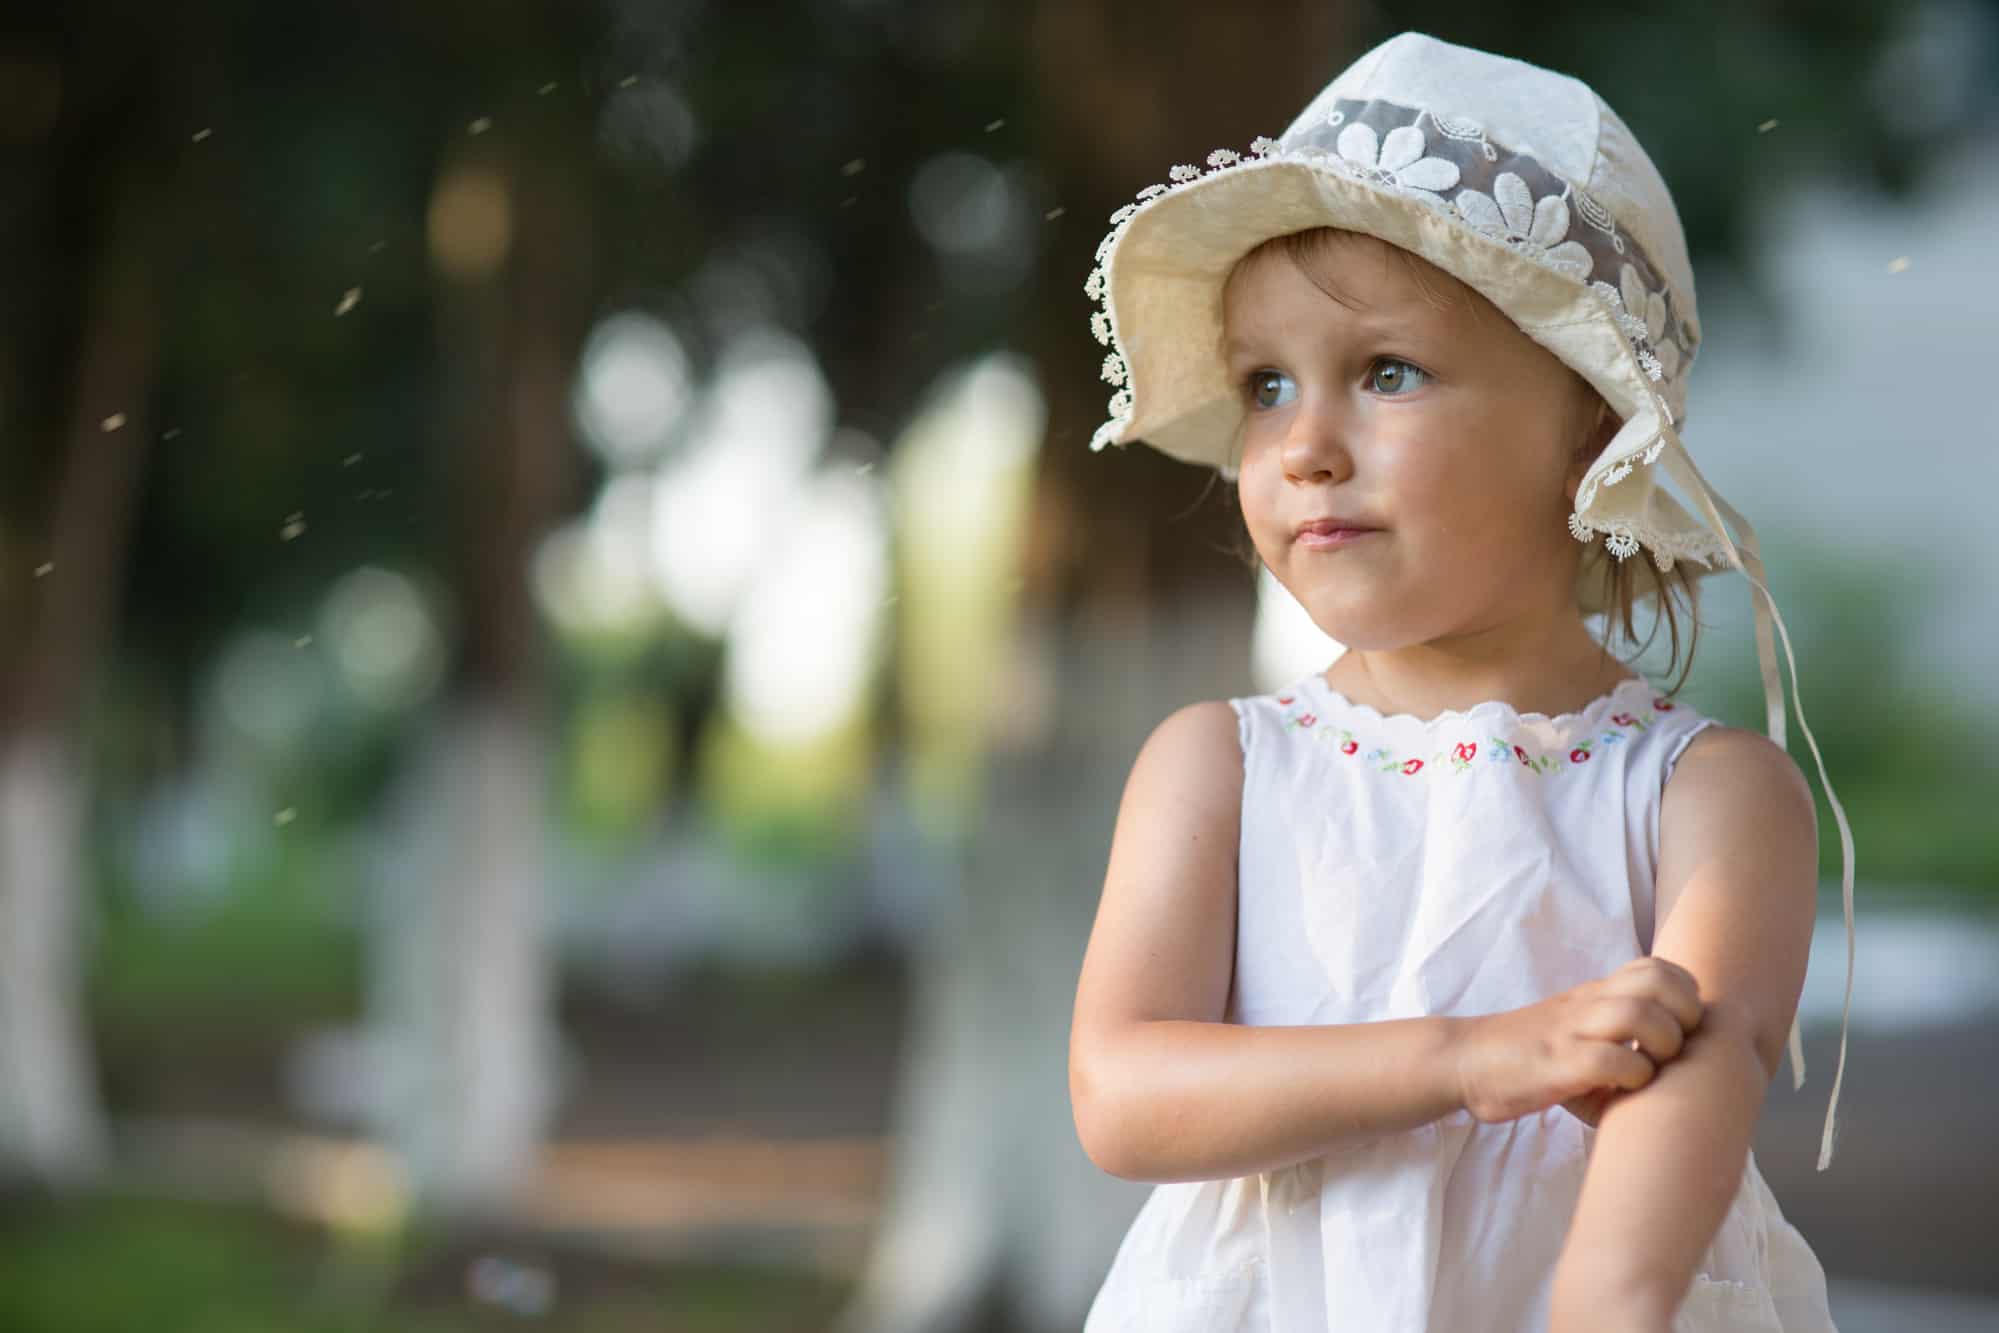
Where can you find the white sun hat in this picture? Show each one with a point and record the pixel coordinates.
(1526, 186)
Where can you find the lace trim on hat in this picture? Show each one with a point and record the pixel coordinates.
(1623, 539)
(1501, 193)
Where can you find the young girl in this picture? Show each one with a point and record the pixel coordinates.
(1440, 990)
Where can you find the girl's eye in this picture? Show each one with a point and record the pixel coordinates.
(1390, 376)
(1271, 388)
(1399, 377)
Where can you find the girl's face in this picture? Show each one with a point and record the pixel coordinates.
(1456, 437)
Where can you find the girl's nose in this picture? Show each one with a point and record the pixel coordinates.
(1315, 445)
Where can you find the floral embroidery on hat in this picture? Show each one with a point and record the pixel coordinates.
(1641, 313)
(1597, 216)
(1397, 159)
(1539, 227)
(1465, 128)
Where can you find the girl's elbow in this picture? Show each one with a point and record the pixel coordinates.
(1101, 1127)
(1103, 1147)
(1099, 1144)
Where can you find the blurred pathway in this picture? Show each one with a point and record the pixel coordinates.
(721, 1144)
(810, 1203)
(1876, 1307)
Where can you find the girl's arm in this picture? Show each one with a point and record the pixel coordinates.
(1161, 1087)
(1737, 896)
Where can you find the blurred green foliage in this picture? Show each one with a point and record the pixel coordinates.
(277, 946)
(1913, 759)
(127, 1265)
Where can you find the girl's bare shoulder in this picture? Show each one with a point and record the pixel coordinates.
(1196, 753)
(1179, 821)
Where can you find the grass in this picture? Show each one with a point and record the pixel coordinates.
(125, 1265)
(279, 932)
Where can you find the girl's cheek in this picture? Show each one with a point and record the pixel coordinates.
(1422, 463)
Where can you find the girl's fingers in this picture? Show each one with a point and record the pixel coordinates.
(1657, 1032)
(1615, 1066)
(1626, 1019)
(1664, 981)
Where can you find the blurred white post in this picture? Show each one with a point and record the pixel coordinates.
(51, 1126)
(461, 984)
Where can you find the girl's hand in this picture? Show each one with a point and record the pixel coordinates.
(1581, 1048)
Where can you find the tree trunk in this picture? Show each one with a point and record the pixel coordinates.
(462, 990)
(51, 1122)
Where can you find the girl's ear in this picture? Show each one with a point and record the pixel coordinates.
(1603, 428)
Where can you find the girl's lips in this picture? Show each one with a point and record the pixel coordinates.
(1317, 539)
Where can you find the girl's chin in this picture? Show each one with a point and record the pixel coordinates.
(1350, 631)
(1356, 627)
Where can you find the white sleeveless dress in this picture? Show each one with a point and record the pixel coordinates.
(1392, 867)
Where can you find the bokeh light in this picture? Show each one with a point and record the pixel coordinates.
(633, 390)
(806, 641)
(725, 500)
(383, 637)
(471, 223)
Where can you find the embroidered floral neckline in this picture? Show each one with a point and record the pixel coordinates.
(1458, 739)
(1336, 702)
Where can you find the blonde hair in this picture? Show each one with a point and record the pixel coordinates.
(1621, 589)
